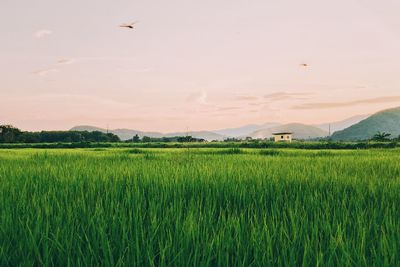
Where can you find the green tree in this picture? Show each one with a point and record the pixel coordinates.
(9, 134)
(146, 139)
(136, 139)
(381, 137)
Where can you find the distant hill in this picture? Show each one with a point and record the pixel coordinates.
(245, 130)
(300, 131)
(125, 134)
(341, 125)
(384, 121)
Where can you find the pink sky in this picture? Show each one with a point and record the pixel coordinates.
(202, 65)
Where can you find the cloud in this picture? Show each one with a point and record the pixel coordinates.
(199, 98)
(75, 98)
(284, 96)
(246, 98)
(256, 104)
(69, 61)
(45, 72)
(42, 33)
(80, 59)
(327, 105)
(228, 108)
(65, 61)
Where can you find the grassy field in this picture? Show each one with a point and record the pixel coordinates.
(199, 207)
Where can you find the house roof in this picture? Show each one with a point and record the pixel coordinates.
(282, 133)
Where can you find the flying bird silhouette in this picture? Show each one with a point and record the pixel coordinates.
(304, 65)
(129, 26)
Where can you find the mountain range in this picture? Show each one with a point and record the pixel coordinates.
(245, 130)
(359, 127)
(384, 121)
(341, 125)
(126, 134)
(300, 131)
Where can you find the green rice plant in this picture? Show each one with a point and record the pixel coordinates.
(135, 151)
(149, 156)
(171, 207)
(269, 152)
(230, 151)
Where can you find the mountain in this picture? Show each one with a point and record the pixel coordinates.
(384, 121)
(245, 130)
(300, 131)
(126, 134)
(341, 125)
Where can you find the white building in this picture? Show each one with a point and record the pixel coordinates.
(283, 137)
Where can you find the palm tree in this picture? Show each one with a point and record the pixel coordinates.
(381, 137)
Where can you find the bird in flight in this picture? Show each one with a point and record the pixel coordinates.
(130, 25)
(304, 65)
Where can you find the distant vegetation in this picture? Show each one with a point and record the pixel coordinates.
(179, 139)
(10, 134)
(382, 137)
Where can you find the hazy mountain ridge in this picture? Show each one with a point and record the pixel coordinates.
(342, 130)
(300, 131)
(248, 130)
(126, 134)
(341, 125)
(384, 121)
(245, 130)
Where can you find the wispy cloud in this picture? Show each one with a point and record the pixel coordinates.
(246, 98)
(65, 61)
(327, 105)
(257, 104)
(74, 98)
(45, 72)
(81, 59)
(228, 108)
(42, 33)
(285, 95)
(69, 61)
(198, 97)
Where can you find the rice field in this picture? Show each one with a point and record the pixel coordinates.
(199, 207)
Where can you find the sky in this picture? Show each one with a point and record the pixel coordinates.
(198, 65)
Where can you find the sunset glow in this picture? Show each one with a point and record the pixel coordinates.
(200, 65)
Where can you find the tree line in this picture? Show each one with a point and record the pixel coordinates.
(10, 134)
(177, 139)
